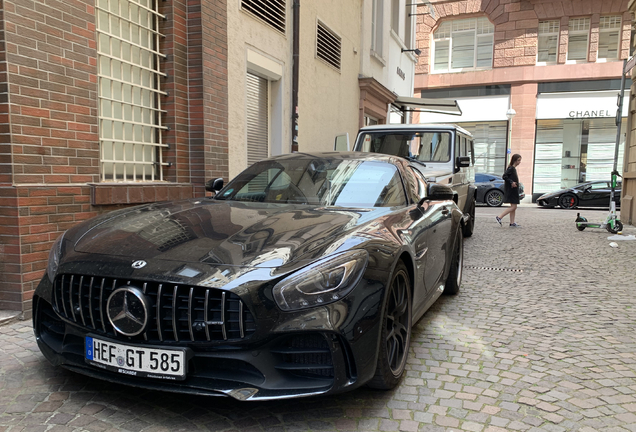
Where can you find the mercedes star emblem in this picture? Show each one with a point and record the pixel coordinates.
(139, 264)
(127, 310)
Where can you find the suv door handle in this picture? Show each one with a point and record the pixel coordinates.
(445, 211)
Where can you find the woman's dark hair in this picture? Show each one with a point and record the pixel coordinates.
(515, 157)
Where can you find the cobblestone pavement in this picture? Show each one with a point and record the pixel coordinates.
(541, 338)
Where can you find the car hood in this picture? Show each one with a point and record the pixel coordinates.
(220, 232)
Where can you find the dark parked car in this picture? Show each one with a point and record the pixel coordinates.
(302, 276)
(490, 189)
(588, 194)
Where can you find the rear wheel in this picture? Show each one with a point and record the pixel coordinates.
(454, 279)
(494, 198)
(568, 201)
(470, 226)
(396, 332)
(580, 218)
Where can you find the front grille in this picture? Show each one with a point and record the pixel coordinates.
(178, 313)
(305, 355)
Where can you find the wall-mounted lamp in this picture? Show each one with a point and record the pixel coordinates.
(416, 51)
(431, 10)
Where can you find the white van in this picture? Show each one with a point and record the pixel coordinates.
(443, 153)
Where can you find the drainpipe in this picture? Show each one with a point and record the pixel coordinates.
(295, 69)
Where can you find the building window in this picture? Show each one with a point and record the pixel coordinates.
(395, 16)
(548, 41)
(328, 46)
(408, 26)
(578, 35)
(609, 37)
(129, 76)
(463, 44)
(257, 99)
(376, 27)
(272, 12)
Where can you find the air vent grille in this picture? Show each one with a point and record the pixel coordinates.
(328, 46)
(270, 11)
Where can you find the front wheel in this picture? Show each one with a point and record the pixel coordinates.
(454, 279)
(494, 198)
(618, 227)
(396, 332)
(470, 226)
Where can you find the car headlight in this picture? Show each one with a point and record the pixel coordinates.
(323, 282)
(54, 258)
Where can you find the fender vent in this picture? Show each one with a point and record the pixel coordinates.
(494, 269)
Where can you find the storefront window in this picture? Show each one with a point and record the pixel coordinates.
(568, 152)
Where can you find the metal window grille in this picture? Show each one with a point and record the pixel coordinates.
(328, 46)
(273, 12)
(129, 76)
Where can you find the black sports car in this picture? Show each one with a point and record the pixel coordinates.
(302, 276)
(490, 189)
(588, 194)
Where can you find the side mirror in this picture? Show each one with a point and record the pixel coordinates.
(438, 192)
(341, 143)
(214, 185)
(463, 161)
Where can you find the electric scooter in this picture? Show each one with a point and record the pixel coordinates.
(611, 223)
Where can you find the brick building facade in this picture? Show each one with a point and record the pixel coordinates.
(555, 63)
(50, 177)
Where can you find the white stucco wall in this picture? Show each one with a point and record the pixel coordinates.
(328, 99)
(269, 52)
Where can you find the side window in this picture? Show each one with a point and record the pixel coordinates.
(420, 180)
(471, 151)
(457, 146)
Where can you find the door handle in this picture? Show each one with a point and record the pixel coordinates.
(445, 211)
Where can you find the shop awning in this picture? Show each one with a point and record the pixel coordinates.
(441, 106)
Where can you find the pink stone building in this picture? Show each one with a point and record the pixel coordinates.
(557, 64)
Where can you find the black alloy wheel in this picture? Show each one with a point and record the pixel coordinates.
(454, 279)
(396, 332)
(494, 198)
(568, 201)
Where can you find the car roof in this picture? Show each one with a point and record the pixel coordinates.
(379, 157)
(414, 127)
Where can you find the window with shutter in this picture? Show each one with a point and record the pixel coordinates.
(609, 37)
(257, 118)
(376, 27)
(463, 44)
(578, 36)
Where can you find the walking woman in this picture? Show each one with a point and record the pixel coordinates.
(511, 191)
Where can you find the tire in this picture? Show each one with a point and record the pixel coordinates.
(568, 201)
(494, 198)
(395, 336)
(618, 226)
(580, 219)
(454, 279)
(470, 226)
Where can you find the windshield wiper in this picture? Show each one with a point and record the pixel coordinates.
(414, 159)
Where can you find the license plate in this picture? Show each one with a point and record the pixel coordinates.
(134, 360)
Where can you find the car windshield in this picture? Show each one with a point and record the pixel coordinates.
(324, 182)
(423, 146)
